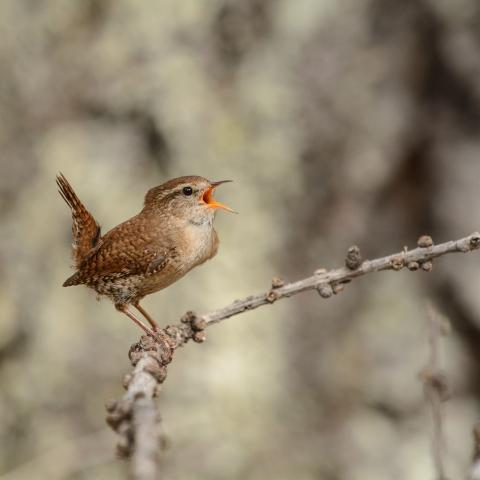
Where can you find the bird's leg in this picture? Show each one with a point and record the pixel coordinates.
(151, 321)
(126, 311)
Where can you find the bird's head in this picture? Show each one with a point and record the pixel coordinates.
(187, 197)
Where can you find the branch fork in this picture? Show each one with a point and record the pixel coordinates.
(135, 417)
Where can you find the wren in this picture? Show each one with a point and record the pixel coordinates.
(171, 235)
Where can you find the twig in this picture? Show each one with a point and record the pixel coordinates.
(435, 387)
(474, 473)
(413, 259)
(135, 416)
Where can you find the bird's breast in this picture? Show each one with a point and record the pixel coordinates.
(199, 243)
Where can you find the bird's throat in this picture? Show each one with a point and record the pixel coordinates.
(200, 221)
(201, 217)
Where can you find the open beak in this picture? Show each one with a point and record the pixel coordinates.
(210, 201)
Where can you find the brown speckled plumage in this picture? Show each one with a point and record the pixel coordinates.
(171, 235)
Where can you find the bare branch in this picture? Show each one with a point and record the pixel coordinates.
(474, 473)
(135, 416)
(412, 259)
(435, 387)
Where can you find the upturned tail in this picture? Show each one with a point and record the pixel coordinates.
(86, 231)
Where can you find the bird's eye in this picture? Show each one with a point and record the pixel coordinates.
(187, 190)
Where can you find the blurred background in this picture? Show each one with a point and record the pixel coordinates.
(341, 122)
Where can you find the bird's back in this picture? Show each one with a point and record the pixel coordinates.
(128, 249)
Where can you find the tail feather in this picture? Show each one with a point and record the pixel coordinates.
(72, 280)
(85, 229)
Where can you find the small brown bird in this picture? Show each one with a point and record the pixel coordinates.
(171, 235)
